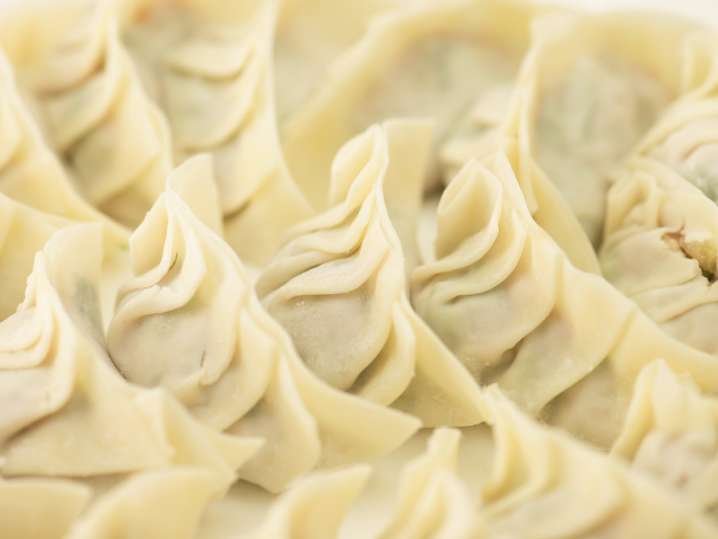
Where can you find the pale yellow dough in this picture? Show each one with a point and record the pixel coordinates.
(341, 269)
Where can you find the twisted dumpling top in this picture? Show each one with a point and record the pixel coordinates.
(338, 287)
(189, 321)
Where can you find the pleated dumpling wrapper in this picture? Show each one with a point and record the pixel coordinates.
(429, 502)
(671, 433)
(589, 88)
(189, 320)
(433, 59)
(338, 286)
(23, 232)
(65, 410)
(533, 482)
(455, 62)
(660, 250)
(208, 65)
(545, 484)
(89, 102)
(661, 234)
(310, 36)
(30, 174)
(315, 506)
(29, 171)
(684, 138)
(507, 301)
(432, 502)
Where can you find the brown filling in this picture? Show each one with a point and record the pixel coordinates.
(702, 252)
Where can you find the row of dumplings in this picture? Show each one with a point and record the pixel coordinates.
(536, 482)
(267, 418)
(274, 309)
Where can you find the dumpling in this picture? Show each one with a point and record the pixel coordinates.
(338, 287)
(435, 59)
(474, 115)
(591, 86)
(314, 507)
(660, 250)
(534, 482)
(31, 174)
(29, 171)
(90, 104)
(310, 36)
(209, 67)
(507, 301)
(663, 210)
(23, 232)
(429, 502)
(544, 484)
(495, 281)
(64, 410)
(229, 363)
(683, 138)
(432, 502)
(671, 433)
